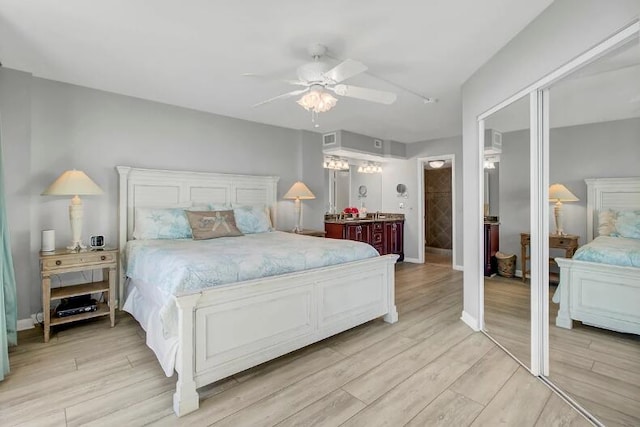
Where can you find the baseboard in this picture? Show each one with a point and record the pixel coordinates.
(518, 273)
(412, 260)
(471, 321)
(458, 267)
(24, 324)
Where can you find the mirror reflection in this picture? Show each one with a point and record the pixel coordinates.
(594, 312)
(507, 295)
(350, 188)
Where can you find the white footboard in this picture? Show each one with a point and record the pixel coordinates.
(228, 329)
(601, 295)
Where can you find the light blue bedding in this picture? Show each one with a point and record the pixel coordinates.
(611, 250)
(185, 265)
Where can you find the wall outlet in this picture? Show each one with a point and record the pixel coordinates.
(401, 205)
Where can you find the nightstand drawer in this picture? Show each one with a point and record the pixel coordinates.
(84, 258)
(562, 242)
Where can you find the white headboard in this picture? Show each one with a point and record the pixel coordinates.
(165, 188)
(610, 193)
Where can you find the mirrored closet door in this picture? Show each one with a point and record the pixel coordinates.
(568, 208)
(506, 226)
(594, 192)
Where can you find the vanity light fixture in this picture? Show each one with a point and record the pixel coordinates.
(489, 165)
(335, 163)
(370, 167)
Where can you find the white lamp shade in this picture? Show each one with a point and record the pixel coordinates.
(299, 191)
(73, 183)
(560, 193)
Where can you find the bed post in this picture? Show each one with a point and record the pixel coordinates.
(123, 175)
(186, 399)
(563, 319)
(392, 314)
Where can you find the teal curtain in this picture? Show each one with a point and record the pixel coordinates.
(8, 301)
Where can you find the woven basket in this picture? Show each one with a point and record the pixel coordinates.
(506, 264)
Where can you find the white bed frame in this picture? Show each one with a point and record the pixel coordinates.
(227, 329)
(606, 296)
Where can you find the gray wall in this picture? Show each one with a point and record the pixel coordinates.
(597, 150)
(15, 110)
(564, 30)
(77, 127)
(514, 192)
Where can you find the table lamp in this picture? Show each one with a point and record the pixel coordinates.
(297, 192)
(559, 193)
(74, 183)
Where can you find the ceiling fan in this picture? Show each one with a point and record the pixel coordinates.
(319, 80)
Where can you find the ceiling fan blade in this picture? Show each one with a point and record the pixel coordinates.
(291, 82)
(283, 96)
(344, 70)
(366, 94)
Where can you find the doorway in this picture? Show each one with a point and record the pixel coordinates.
(436, 182)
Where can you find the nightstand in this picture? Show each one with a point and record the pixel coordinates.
(62, 261)
(309, 232)
(568, 242)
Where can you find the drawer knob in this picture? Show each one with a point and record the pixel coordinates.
(58, 262)
(102, 258)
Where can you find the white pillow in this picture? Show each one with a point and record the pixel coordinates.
(607, 222)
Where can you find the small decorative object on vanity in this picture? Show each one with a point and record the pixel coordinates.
(62, 261)
(74, 183)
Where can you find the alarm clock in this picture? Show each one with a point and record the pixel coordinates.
(97, 242)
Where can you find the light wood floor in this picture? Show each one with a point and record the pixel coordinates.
(600, 369)
(439, 259)
(428, 369)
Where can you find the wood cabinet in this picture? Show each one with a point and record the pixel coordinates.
(491, 246)
(63, 261)
(385, 236)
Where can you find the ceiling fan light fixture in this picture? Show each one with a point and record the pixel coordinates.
(317, 101)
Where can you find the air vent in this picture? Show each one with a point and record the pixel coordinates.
(377, 143)
(492, 142)
(329, 139)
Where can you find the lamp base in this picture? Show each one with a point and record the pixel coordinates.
(76, 246)
(557, 213)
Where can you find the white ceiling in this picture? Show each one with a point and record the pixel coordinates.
(191, 53)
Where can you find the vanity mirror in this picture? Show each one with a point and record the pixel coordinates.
(350, 188)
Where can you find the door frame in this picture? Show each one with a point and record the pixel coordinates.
(421, 212)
